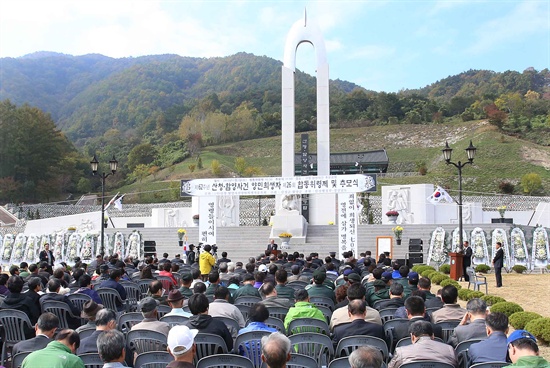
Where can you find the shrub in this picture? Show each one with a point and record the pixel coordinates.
(450, 281)
(483, 268)
(492, 299)
(436, 279)
(416, 267)
(507, 308)
(445, 269)
(466, 294)
(427, 272)
(519, 268)
(518, 320)
(424, 268)
(540, 328)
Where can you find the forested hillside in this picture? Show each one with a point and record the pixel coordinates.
(153, 112)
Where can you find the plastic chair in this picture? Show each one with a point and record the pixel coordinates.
(224, 361)
(490, 365)
(322, 301)
(376, 304)
(109, 297)
(143, 285)
(142, 341)
(231, 324)
(300, 361)
(339, 363)
(133, 294)
(153, 359)
(17, 360)
(79, 299)
(276, 323)
(162, 310)
(297, 285)
(327, 312)
(245, 309)
(249, 345)
(91, 360)
(407, 341)
(86, 333)
(174, 320)
(278, 312)
(475, 279)
(126, 321)
(14, 322)
(348, 344)
(167, 283)
(61, 310)
(300, 325)
(386, 314)
(426, 364)
(315, 345)
(388, 330)
(461, 351)
(209, 344)
(447, 328)
(247, 300)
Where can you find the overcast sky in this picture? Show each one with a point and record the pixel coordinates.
(380, 45)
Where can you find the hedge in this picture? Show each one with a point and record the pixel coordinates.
(483, 268)
(436, 279)
(450, 282)
(492, 299)
(519, 268)
(507, 308)
(518, 320)
(466, 294)
(446, 269)
(540, 328)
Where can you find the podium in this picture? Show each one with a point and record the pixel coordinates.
(456, 265)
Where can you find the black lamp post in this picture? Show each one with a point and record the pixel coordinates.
(113, 165)
(471, 152)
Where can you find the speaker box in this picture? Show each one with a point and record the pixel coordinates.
(149, 247)
(415, 248)
(415, 258)
(401, 262)
(415, 241)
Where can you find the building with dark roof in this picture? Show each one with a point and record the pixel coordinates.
(368, 162)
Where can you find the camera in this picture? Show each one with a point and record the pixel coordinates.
(214, 248)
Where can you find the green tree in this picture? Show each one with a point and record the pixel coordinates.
(141, 154)
(531, 183)
(216, 167)
(140, 172)
(240, 165)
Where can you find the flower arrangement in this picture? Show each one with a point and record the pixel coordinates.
(501, 210)
(331, 222)
(392, 213)
(285, 235)
(181, 233)
(71, 228)
(541, 254)
(196, 217)
(398, 230)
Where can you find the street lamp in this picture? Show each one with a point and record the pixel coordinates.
(470, 152)
(113, 165)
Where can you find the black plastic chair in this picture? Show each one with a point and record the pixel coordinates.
(15, 322)
(348, 344)
(231, 324)
(339, 363)
(245, 309)
(167, 283)
(87, 332)
(278, 312)
(153, 359)
(461, 351)
(126, 321)
(277, 324)
(143, 341)
(208, 345)
(426, 364)
(247, 300)
(17, 360)
(490, 365)
(249, 345)
(224, 361)
(110, 297)
(315, 345)
(386, 314)
(91, 360)
(447, 328)
(61, 310)
(174, 320)
(390, 335)
(133, 294)
(322, 301)
(301, 325)
(143, 285)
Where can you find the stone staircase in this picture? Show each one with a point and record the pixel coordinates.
(247, 241)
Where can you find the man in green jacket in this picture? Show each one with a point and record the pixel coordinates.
(303, 309)
(247, 289)
(57, 354)
(524, 351)
(319, 288)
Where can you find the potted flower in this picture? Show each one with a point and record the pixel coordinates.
(392, 216)
(398, 231)
(285, 238)
(71, 229)
(196, 219)
(181, 234)
(501, 210)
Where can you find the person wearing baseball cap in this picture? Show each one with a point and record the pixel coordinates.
(524, 351)
(181, 344)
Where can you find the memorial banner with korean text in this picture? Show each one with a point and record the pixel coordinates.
(279, 186)
(347, 224)
(207, 220)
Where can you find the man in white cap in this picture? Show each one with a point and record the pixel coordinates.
(181, 344)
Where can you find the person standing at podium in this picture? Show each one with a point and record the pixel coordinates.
(467, 260)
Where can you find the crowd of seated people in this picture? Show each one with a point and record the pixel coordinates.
(351, 296)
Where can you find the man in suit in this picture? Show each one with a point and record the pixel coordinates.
(54, 286)
(46, 255)
(45, 329)
(472, 325)
(396, 297)
(105, 320)
(357, 312)
(495, 347)
(466, 260)
(414, 305)
(341, 315)
(498, 262)
(451, 309)
(423, 347)
(272, 246)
